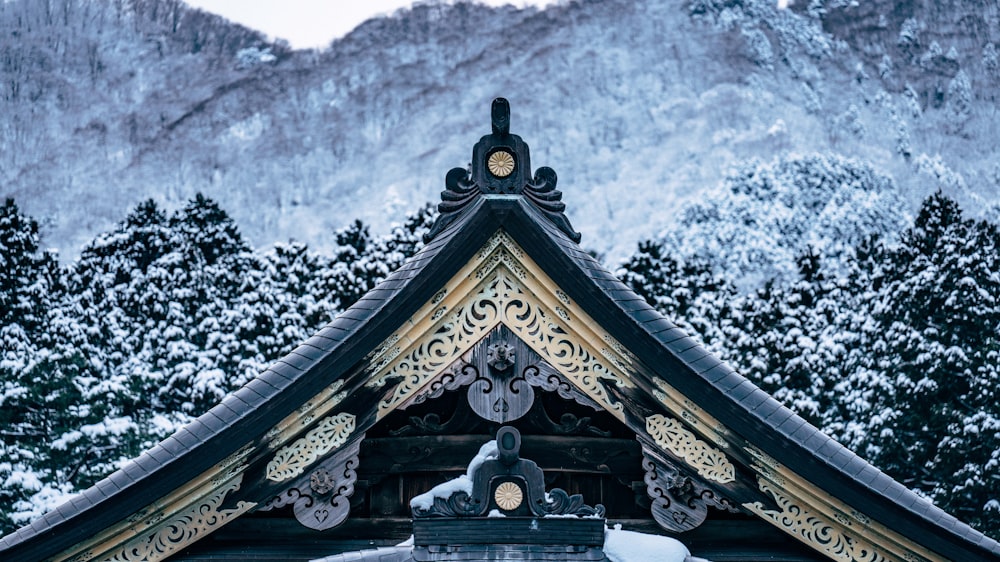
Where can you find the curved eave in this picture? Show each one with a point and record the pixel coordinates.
(738, 403)
(728, 397)
(258, 406)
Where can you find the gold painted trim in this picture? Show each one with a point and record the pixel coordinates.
(175, 515)
(817, 509)
(320, 405)
(670, 434)
(292, 460)
(501, 285)
(679, 405)
(183, 529)
(815, 530)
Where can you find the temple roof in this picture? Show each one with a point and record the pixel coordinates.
(766, 441)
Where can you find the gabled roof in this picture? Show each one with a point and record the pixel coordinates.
(685, 405)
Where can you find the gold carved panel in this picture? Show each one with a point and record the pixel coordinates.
(709, 462)
(502, 297)
(292, 460)
(814, 529)
(182, 529)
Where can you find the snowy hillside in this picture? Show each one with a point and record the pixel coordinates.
(640, 106)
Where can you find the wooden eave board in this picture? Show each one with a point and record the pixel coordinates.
(782, 449)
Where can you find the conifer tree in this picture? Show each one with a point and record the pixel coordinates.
(919, 398)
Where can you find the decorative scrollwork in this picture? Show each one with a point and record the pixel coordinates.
(501, 299)
(678, 503)
(321, 500)
(568, 424)
(706, 460)
(456, 505)
(814, 529)
(561, 503)
(545, 377)
(292, 460)
(460, 191)
(543, 193)
(184, 528)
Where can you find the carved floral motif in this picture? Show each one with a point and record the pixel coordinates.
(292, 460)
(706, 460)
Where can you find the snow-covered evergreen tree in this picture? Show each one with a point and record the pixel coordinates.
(919, 398)
(766, 215)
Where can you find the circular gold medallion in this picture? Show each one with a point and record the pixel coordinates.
(508, 496)
(500, 163)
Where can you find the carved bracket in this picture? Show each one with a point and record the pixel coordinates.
(501, 373)
(679, 502)
(320, 499)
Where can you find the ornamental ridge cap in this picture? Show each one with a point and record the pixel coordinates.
(501, 166)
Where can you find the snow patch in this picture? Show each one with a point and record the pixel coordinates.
(630, 546)
(463, 483)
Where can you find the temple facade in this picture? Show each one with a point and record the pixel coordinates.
(500, 321)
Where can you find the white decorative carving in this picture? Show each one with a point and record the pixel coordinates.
(292, 460)
(814, 529)
(674, 437)
(182, 529)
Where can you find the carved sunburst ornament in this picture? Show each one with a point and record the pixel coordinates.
(508, 496)
(500, 163)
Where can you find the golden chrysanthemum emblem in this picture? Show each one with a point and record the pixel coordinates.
(500, 163)
(508, 496)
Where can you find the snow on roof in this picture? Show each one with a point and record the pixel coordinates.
(630, 546)
(461, 484)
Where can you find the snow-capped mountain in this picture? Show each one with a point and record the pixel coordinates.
(640, 105)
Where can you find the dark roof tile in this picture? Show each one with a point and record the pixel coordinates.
(777, 415)
(298, 360)
(729, 382)
(744, 389)
(705, 364)
(684, 345)
(645, 315)
(842, 457)
(755, 399)
(803, 433)
(717, 373)
(829, 449)
(790, 425)
(815, 441)
(868, 474)
(106, 486)
(672, 335)
(263, 385)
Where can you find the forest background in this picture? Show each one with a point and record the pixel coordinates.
(799, 200)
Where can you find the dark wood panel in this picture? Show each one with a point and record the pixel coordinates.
(282, 538)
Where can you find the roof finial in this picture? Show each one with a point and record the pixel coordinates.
(501, 117)
(501, 165)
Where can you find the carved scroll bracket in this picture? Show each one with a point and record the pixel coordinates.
(320, 499)
(679, 502)
(501, 373)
